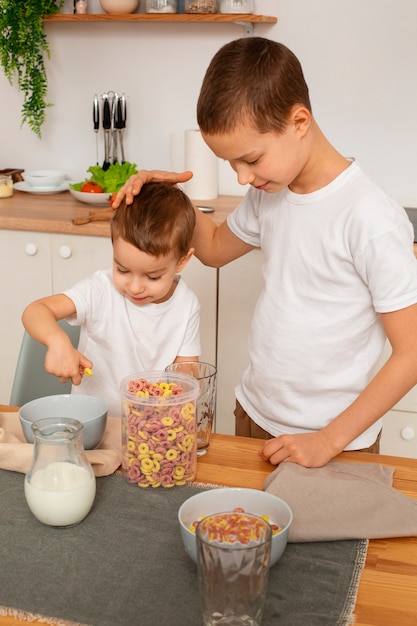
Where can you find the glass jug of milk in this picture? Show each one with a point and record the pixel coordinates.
(60, 486)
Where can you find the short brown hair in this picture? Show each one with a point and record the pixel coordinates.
(253, 79)
(159, 221)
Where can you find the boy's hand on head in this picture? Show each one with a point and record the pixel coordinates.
(306, 449)
(133, 185)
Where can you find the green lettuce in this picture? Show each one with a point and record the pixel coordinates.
(110, 180)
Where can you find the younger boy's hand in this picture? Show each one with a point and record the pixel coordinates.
(66, 363)
(306, 449)
(133, 185)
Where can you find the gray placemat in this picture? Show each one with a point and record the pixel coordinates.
(125, 565)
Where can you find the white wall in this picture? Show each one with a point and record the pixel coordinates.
(359, 59)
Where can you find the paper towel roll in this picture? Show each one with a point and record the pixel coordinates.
(203, 163)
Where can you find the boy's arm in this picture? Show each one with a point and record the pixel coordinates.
(216, 245)
(40, 320)
(390, 384)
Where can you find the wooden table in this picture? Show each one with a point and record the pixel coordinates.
(388, 588)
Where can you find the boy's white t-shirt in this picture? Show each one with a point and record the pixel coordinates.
(333, 260)
(122, 338)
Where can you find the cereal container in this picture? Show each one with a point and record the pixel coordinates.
(159, 442)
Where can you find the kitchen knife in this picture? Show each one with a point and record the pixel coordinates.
(107, 127)
(121, 123)
(113, 152)
(96, 121)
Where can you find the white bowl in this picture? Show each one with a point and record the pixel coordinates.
(89, 410)
(99, 199)
(119, 6)
(228, 498)
(44, 179)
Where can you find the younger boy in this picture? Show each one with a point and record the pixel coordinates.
(139, 316)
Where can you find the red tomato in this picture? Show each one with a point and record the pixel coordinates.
(92, 187)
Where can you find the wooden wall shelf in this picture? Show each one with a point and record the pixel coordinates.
(245, 20)
(163, 17)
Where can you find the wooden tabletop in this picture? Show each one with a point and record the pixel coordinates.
(388, 587)
(53, 213)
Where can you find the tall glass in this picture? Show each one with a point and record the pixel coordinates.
(206, 374)
(233, 553)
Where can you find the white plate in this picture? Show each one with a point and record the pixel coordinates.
(99, 199)
(23, 186)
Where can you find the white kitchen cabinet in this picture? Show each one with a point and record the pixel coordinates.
(37, 264)
(399, 433)
(25, 275)
(240, 284)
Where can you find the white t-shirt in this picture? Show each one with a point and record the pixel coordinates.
(122, 339)
(333, 260)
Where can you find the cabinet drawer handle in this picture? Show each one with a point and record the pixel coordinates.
(65, 252)
(31, 249)
(408, 433)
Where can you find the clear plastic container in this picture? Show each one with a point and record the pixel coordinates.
(161, 6)
(237, 6)
(200, 6)
(159, 439)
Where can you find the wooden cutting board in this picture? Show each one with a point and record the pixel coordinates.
(98, 215)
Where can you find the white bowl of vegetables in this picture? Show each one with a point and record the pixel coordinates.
(102, 184)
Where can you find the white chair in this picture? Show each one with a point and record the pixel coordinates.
(31, 380)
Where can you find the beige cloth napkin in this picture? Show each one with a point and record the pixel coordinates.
(343, 501)
(16, 455)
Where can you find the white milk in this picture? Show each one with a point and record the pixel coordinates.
(61, 494)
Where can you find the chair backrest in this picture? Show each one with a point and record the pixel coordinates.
(31, 380)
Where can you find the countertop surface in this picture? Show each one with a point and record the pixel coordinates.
(54, 213)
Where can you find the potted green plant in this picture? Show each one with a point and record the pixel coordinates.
(23, 47)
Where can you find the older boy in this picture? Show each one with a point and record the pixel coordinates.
(340, 275)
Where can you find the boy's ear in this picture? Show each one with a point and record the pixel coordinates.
(301, 118)
(184, 260)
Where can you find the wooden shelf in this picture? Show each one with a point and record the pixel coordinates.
(245, 20)
(162, 17)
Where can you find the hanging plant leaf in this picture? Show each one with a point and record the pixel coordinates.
(23, 47)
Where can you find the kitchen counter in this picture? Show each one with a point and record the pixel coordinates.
(53, 213)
